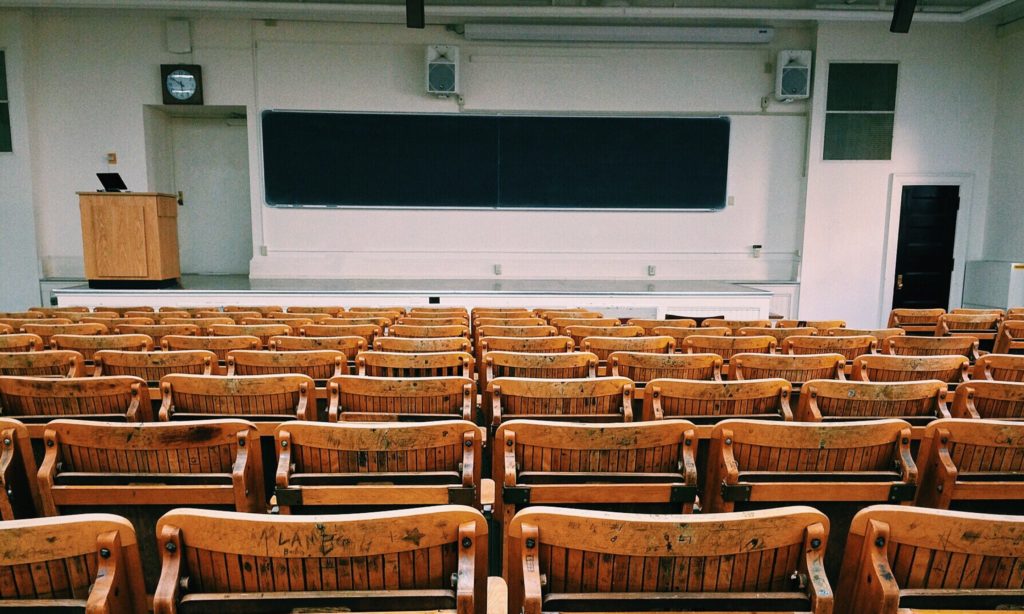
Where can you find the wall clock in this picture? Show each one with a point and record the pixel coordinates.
(181, 83)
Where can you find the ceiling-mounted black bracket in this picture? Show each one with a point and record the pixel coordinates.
(415, 14)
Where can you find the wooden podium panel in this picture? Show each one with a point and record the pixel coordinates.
(129, 236)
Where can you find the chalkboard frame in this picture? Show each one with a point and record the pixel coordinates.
(504, 208)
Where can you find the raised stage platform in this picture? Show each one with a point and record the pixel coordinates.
(617, 298)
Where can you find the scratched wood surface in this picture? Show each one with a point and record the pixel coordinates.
(580, 332)
(989, 400)
(48, 363)
(634, 561)
(288, 315)
(151, 366)
(379, 561)
(795, 369)
(878, 333)
(38, 400)
(204, 324)
(262, 398)
(350, 346)
(540, 365)
(89, 561)
(261, 309)
(916, 402)
(356, 397)
(317, 364)
(263, 332)
(294, 323)
(734, 325)
(359, 319)
(19, 495)
(487, 312)
(407, 330)
(997, 367)
(421, 344)
(366, 331)
(850, 346)
(681, 333)
(643, 367)
(601, 399)
(1010, 336)
(779, 333)
(562, 324)
(88, 345)
(123, 309)
(965, 459)
(446, 309)
(650, 324)
(218, 345)
(727, 346)
(885, 368)
(908, 556)
(111, 322)
(47, 331)
(819, 325)
(412, 364)
(915, 320)
(373, 464)
(389, 312)
(425, 320)
(709, 401)
(603, 347)
(332, 310)
(18, 323)
(931, 346)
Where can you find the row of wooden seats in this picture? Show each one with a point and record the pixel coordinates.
(434, 559)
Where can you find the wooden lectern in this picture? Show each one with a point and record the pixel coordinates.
(130, 239)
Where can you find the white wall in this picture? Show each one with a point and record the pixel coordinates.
(19, 265)
(944, 107)
(1004, 238)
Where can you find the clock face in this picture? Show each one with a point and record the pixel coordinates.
(181, 84)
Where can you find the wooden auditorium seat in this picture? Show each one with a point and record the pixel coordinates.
(726, 347)
(643, 367)
(364, 398)
(263, 332)
(406, 330)
(368, 332)
(899, 557)
(931, 346)
(563, 560)
(388, 312)
(821, 326)
(6, 329)
(38, 400)
(649, 325)
(424, 320)
(157, 332)
(794, 369)
(443, 310)
(989, 400)
(358, 464)
(47, 331)
(48, 363)
(84, 563)
(325, 309)
(516, 331)
(538, 365)
(850, 346)
(1009, 337)
(886, 368)
(831, 401)
(55, 312)
(543, 345)
(151, 366)
(711, 402)
(915, 321)
(680, 334)
(600, 399)
(411, 364)
(562, 323)
(121, 310)
(881, 334)
(88, 345)
(500, 312)
(204, 324)
(113, 322)
(421, 345)
(349, 346)
(295, 323)
(235, 316)
(996, 367)
(260, 309)
(192, 311)
(218, 345)
(19, 492)
(780, 334)
(315, 316)
(603, 347)
(579, 332)
(357, 319)
(430, 559)
(984, 327)
(320, 365)
(648, 466)
(971, 460)
(161, 317)
(266, 400)
(735, 325)
(18, 323)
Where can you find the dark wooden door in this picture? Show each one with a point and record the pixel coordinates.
(924, 252)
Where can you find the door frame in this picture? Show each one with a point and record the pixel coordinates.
(897, 181)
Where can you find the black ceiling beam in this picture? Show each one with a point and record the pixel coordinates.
(415, 14)
(902, 14)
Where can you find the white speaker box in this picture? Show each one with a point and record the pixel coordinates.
(442, 70)
(179, 36)
(793, 75)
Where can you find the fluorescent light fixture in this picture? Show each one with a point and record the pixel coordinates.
(615, 34)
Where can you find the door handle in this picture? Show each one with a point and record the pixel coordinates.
(899, 282)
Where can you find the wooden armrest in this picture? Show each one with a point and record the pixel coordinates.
(497, 595)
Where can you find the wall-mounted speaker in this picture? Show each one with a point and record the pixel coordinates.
(442, 70)
(793, 75)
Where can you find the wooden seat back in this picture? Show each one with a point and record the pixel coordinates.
(432, 558)
(19, 497)
(88, 345)
(55, 312)
(931, 346)
(491, 330)
(220, 346)
(260, 309)
(680, 334)
(557, 559)
(368, 332)
(424, 320)
(500, 312)
(983, 326)
(603, 347)
(192, 311)
(6, 329)
(236, 317)
(442, 311)
(544, 345)
(884, 368)
(649, 325)
(794, 369)
(915, 320)
(263, 332)
(550, 314)
(358, 464)
(260, 398)
(317, 364)
(29, 314)
(157, 332)
(294, 324)
(204, 324)
(710, 402)
(819, 325)
(296, 315)
(87, 563)
(162, 317)
(880, 334)
(46, 332)
(726, 347)
(410, 364)
(829, 400)
(757, 462)
(989, 400)
(1009, 337)
(578, 333)
(212, 462)
(601, 399)
(538, 365)
(421, 345)
(151, 366)
(643, 367)
(18, 323)
(349, 346)
(978, 312)
(734, 325)
(355, 319)
(971, 460)
(365, 398)
(1015, 313)
(407, 330)
(909, 557)
(331, 310)
(780, 334)
(850, 346)
(37, 400)
(563, 323)
(390, 311)
(113, 322)
(510, 320)
(996, 367)
(48, 363)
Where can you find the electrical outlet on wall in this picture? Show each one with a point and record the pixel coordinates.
(497, 269)
(651, 270)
